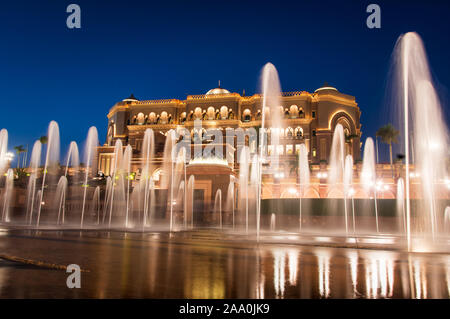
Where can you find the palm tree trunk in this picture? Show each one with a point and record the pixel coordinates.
(18, 160)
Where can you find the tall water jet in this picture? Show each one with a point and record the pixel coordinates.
(420, 104)
(3, 149)
(337, 156)
(230, 200)
(90, 155)
(126, 167)
(7, 195)
(180, 204)
(167, 179)
(368, 174)
(51, 159)
(244, 169)
(303, 173)
(190, 199)
(348, 180)
(148, 219)
(401, 213)
(218, 207)
(59, 201)
(271, 93)
(253, 186)
(107, 198)
(447, 219)
(178, 171)
(337, 165)
(35, 162)
(272, 222)
(118, 156)
(96, 204)
(147, 153)
(73, 158)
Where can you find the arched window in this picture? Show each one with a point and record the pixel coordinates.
(247, 115)
(210, 113)
(140, 118)
(152, 118)
(197, 113)
(224, 112)
(183, 117)
(293, 111)
(298, 132)
(301, 114)
(289, 132)
(164, 117)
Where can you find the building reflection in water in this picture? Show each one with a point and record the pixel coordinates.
(447, 273)
(420, 280)
(353, 261)
(323, 260)
(292, 266)
(283, 257)
(379, 273)
(278, 272)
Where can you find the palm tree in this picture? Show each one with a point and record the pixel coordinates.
(19, 150)
(43, 139)
(388, 134)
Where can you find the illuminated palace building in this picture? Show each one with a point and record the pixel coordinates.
(308, 118)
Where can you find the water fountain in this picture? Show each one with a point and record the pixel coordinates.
(72, 157)
(336, 172)
(368, 175)
(7, 195)
(218, 207)
(35, 161)
(272, 222)
(190, 200)
(230, 200)
(60, 199)
(400, 201)
(244, 170)
(303, 173)
(3, 149)
(422, 117)
(51, 160)
(271, 91)
(90, 153)
(95, 204)
(348, 190)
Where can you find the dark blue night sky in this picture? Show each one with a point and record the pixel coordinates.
(169, 49)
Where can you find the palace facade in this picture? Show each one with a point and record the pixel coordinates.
(308, 118)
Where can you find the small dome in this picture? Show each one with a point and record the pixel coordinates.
(326, 87)
(218, 90)
(131, 98)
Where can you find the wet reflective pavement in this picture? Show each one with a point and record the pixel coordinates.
(207, 264)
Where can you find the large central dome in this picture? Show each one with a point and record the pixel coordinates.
(218, 90)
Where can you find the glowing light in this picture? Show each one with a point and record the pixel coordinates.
(278, 272)
(322, 175)
(208, 161)
(9, 156)
(324, 275)
(292, 190)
